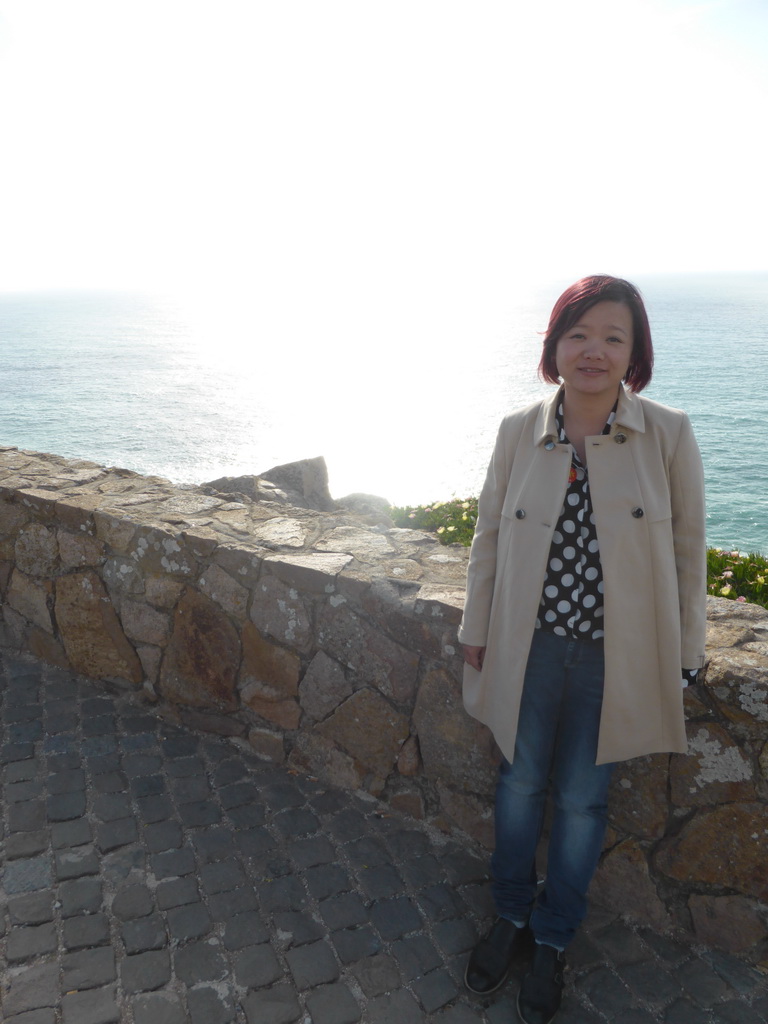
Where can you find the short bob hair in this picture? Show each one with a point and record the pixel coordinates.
(580, 297)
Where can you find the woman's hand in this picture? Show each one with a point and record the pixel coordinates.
(474, 656)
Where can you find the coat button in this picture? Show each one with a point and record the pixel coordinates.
(638, 513)
(619, 438)
(520, 514)
(549, 445)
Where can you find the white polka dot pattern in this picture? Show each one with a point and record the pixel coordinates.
(571, 601)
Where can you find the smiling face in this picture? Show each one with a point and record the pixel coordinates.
(594, 355)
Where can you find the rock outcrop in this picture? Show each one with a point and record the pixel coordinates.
(322, 636)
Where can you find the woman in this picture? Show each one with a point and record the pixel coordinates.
(585, 599)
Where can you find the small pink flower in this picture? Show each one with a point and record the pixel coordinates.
(741, 599)
(727, 574)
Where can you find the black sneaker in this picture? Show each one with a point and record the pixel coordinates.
(491, 959)
(542, 988)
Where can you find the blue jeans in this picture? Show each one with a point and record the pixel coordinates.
(556, 747)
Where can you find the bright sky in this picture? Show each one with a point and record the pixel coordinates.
(370, 160)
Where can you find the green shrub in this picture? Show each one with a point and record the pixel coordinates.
(453, 520)
(729, 573)
(738, 577)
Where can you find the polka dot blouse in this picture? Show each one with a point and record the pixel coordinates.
(572, 595)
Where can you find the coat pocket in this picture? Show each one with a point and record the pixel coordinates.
(657, 508)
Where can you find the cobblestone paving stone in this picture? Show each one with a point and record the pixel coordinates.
(151, 875)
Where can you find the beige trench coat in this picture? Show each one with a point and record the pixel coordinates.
(647, 490)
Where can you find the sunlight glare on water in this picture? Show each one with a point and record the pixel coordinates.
(404, 405)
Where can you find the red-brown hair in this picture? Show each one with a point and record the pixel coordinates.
(580, 297)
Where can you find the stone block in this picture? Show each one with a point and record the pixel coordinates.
(364, 545)
(394, 918)
(159, 1008)
(88, 968)
(115, 530)
(269, 678)
(278, 1005)
(241, 563)
(435, 990)
(144, 972)
(31, 598)
(173, 863)
(200, 961)
(323, 687)
(257, 966)
(267, 744)
(286, 714)
(37, 908)
(472, 814)
(44, 646)
(122, 577)
(320, 756)
(31, 989)
(86, 931)
(191, 921)
(202, 540)
(408, 801)
(76, 514)
(312, 571)
(94, 1006)
(738, 680)
(623, 880)
(352, 944)
(219, 725)
(370, 730)
(281, 532)
(132, 901)
(13, 629)
(13, 517)
(144, 933)
(91, 632)
(28, 874)
(220, 587)
(715, 770)
(333, 1004)
(637, 800)
(453, 745)
(730, 923)
(722, 633)
(398, 1007)
(37, 550)
(727, 845)
(377, 975)
(80, 896)
(159, 551)
(202, 657)
(162, 591)
(409, 758)
(30, 942)
(6, 568)
(144, 624)
(207, 1004)
(78, 550)
(278, 611)
(312, 965)
(379, 661)
(245, 929)
(150, 658)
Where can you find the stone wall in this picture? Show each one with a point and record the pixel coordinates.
(324, 638)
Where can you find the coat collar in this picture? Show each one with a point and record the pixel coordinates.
(629, 414)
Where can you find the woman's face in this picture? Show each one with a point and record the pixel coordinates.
(594, 355)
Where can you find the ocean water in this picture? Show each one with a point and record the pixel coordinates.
(186, 391)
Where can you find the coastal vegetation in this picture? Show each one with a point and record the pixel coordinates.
(730, 574)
